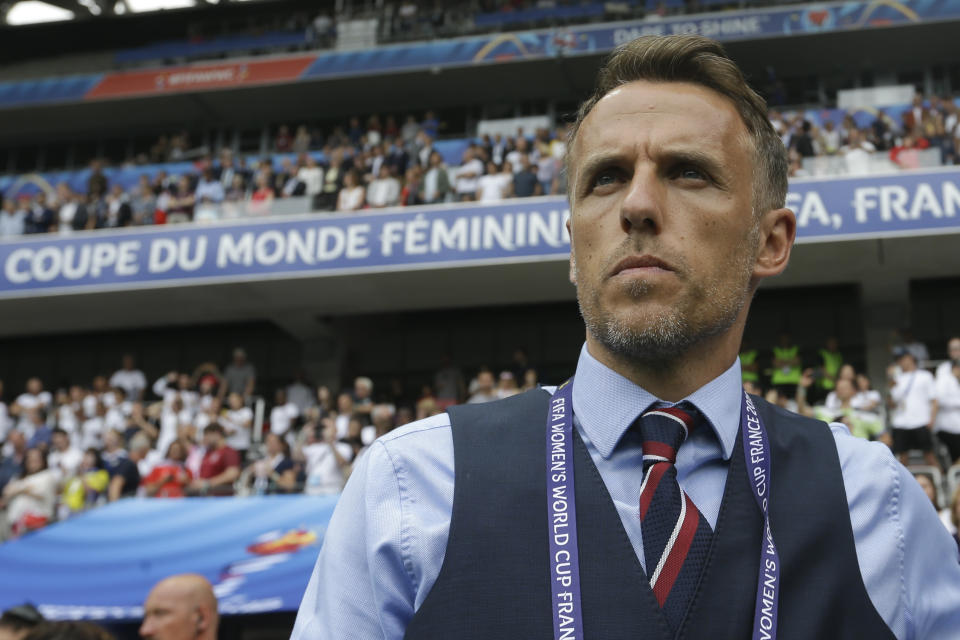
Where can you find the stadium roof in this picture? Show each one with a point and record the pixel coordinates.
(35, 11)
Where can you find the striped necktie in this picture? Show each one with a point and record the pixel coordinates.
(676, 536)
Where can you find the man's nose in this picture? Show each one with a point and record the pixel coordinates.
(641, 209)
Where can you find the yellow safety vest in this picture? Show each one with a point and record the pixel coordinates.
(832, 361)
(786, 375)
(749, 357)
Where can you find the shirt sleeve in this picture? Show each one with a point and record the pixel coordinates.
(898, 388)
(160, 386)
(360, 587)
(947, 396)
(908, 560)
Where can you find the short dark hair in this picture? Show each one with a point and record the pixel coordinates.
(215, 427)
(67, 630)
(697, 60)
(23, 616)
(97, 458)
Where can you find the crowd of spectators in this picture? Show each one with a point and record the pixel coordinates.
(377, 164)
(391, 161)
(195, 433)
(918, 416)
(930, 123)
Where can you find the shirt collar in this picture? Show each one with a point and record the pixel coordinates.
(606, 403)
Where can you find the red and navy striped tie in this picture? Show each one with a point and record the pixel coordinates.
(676, 536)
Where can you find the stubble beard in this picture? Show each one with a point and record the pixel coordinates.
(660, 339)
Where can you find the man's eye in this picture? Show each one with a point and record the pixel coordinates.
(691, 173)
(605, 178)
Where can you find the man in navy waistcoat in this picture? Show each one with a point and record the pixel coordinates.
(677, 183)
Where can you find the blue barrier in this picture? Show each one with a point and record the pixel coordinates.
(524, 229)
(258, 552)
(215, 46)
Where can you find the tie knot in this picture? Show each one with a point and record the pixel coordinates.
(664, 429)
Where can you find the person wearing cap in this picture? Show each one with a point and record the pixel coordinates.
(647, 496)
(913, 400)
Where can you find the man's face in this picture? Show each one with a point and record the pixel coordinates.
(168, 615)
(907, 362)
(211, 440)
(485, 381)
(953, 350)
(61, 441)
(663, 236)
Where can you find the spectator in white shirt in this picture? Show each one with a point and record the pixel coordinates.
(522, 149)
(70, 411)
(30, 500)
(209, 187)
(171, 419)
(327, 461)
(547, 169)
(344, 413)
(351, 196)
(130, 379)
(63, 459)
(13, 220)
(495, 185)
(311, 175)
(116, 417)
(857, 153)
(238, 424)
(99, 392)
(91, 431)
(283, 414)
(867, 400)
(468, 174)
(947, 425)
(914, 404)
(485, 388)
(384, 191)
(34, 397)
(208, 414)
(176, 385)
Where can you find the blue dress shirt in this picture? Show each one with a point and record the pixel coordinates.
(387, 538)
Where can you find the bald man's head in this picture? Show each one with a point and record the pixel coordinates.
(181, 607)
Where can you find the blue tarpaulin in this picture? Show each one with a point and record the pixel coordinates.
(258, 552)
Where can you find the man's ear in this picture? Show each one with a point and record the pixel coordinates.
(778, 230)
(573, 263)
(200, 621)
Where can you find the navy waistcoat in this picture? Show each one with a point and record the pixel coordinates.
(494, 582)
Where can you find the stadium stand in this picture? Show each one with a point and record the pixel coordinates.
(822, 142)
(347, 347)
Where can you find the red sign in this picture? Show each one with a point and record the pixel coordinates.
(199, 78)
